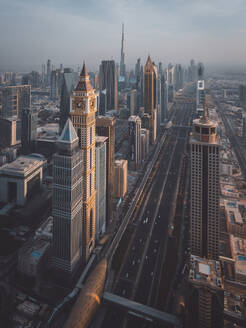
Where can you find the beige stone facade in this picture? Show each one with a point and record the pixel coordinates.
(83, 107)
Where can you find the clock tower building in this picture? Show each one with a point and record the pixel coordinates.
(83, 107)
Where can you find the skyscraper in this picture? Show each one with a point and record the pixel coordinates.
(101, 174)
(56, 84)
(150, 96)
(178, 77)
(105, 126)
(134, 140)
(108, 81)
(14, 99)
(122, 56)
(48, 76)
(163, 98)
(67, 202)
(28, 129)
(83, 111)
(120, 175)
(205, 191)
(139, 84)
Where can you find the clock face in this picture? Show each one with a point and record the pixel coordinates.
(79, 104)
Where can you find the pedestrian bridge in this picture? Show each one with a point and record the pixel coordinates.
(145, 311)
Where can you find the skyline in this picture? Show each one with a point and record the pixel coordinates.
(212, 32)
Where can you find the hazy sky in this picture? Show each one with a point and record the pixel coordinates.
(70, 31)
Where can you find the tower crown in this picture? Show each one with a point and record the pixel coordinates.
(84, 81)
(149, 65)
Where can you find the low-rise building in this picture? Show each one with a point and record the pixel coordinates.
(238, 251)
(32, 257)
(235, 218)
(205, 296)
(20, 179)
(229, 191)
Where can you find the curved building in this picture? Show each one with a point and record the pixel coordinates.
(89, 298)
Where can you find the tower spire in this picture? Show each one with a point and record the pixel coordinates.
(122, 57)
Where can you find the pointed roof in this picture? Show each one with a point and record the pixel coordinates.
(84, 71)
(68, 134)
(84, 81)
(149, 61)
(149, 64)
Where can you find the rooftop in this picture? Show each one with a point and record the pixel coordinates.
(21, 166)
(100, 139)
(234, 215)
(204, 271)
(238, 250)
(120, 162)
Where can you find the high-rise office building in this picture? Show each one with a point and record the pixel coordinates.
(150, 96)
(102, 102)
(163, 98)
(192, 71)
(170, 72)
(83, 113)
(69, 80)
(105, 126)
(43, 75)
(204, 303)
(132, 101)
(101, 174)
(134, 141)
(10, 132)
(120, 176)
(48, 75)
(178, 77)
(242, 94)
(56, 81)
(108, 81)
(28, 129)
(200, 91)
(67, 202)
(33, 78)
(139, 84)
(144, 143)
(14, 99)
(205, 191)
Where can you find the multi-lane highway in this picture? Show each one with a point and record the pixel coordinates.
(139, 276)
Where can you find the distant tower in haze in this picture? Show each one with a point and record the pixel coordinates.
(122, 56)
(205, 188)
(150, 97)
(200, 91)
(134, 140)
(48, 76)
(83, 111)
(108, 81)
(67, 202)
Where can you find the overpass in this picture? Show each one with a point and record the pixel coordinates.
(145, 311)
